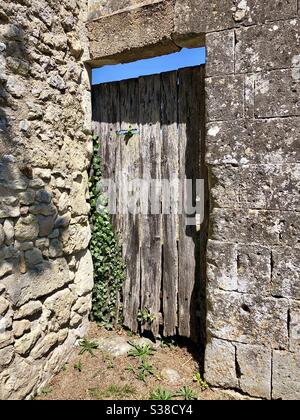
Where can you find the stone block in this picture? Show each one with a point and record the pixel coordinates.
(286, 376)
(132, 34)
(9, 231)
(4, 305)
(50, 341)
(252, 12)
(6, 356)
(255, 370)
(59, 305)
(33, 257)
(253, 270)
(99, 8)
(220, 53)
(248, 319)
(24, 345)
(84, 279)
(28, 310)
(37, 283)
(225, 98)
(276, 141)
(5, 268)
(27, 228)
(256, 186)
(277, 93)
(285, 273)
(256, 227)
(46, 225)
(76, 237)
(201, 16)
(56, 249)
(245, 187)
(19, 379)
(78, 195)
(255, 47)
(82, 305)
(220, 364)
(21, 327)
(294, 326)
(222, 265)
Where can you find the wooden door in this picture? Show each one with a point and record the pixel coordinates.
(162, 252)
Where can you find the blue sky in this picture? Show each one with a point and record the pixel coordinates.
(184, 58)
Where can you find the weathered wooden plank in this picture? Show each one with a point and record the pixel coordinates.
(96, 109)
(150, 134)
(106, 101)
(170, 172)
(189, 114)
(129, 222)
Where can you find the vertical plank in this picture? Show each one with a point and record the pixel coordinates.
(189, 114)
(128, 222)
(151, 270)
(170, 171)
(108, 114)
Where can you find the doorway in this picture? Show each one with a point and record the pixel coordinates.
(152, 129)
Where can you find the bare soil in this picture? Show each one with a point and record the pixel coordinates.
(102, 377)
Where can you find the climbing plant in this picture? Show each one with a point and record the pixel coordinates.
(109, 267)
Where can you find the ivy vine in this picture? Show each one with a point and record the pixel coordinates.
(109, 267)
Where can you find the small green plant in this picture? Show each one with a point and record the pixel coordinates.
(113, 391)
(140, 351)
(130, 334)
(160, 394)
(197, 378)
(78, 366)
(186, 393)
(130, 368)
(87, 346)
(144, 316)
(145, 369)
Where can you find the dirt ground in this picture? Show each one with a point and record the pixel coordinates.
(102, 377)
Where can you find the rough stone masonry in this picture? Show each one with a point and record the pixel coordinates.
(46, 273)
(253, 156)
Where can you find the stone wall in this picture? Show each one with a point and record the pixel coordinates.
(252, 88)
(253, 155)
(45, 269)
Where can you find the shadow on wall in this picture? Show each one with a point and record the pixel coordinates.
(14, 59)
(30, 226)
(27, 215)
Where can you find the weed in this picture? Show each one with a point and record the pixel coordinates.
(78, 366)
(203, 385)
(160, 395)
(113, 391)
(144, 370)
(87, 347)
(186, 393)
(140, 351)
(130, 368)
